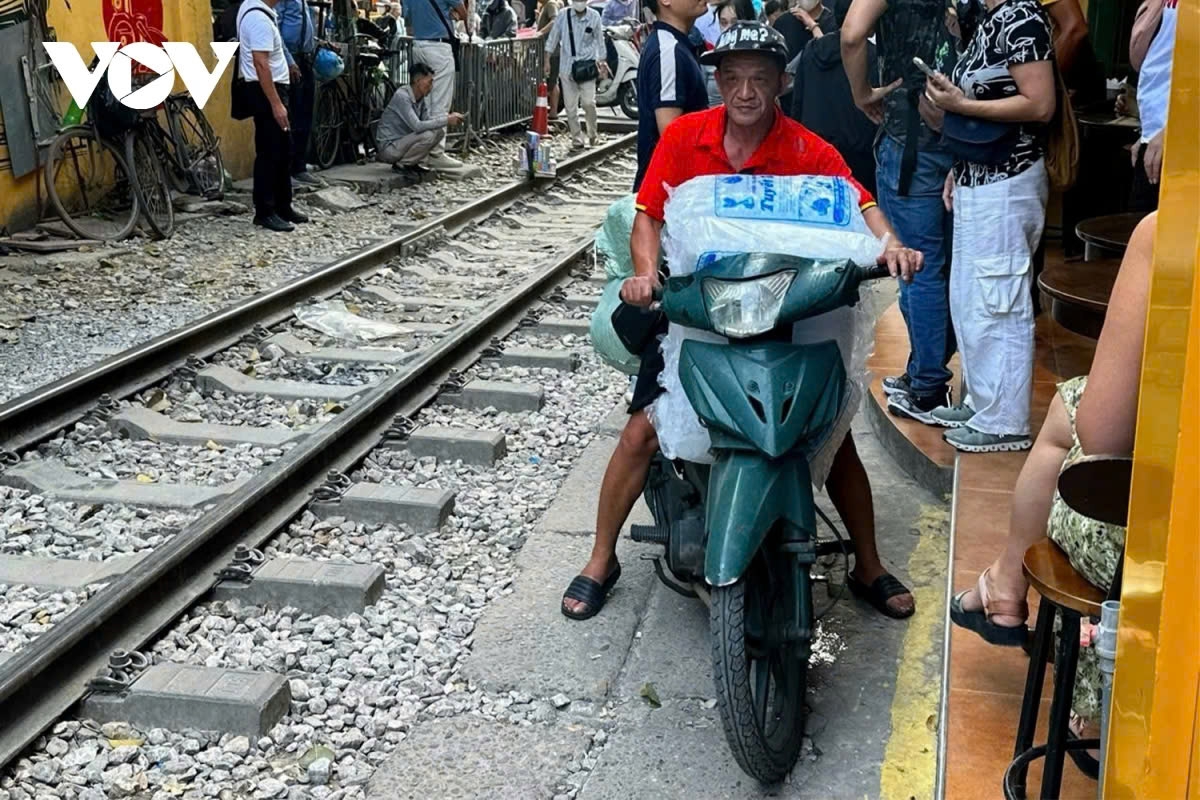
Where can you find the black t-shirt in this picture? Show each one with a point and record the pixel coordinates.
(911, 28)
(796, 35)
(1014, 32)
(669, 76)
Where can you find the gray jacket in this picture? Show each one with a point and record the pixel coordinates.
(404, 116)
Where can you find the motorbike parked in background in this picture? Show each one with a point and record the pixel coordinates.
(741, 533)
(619, 89)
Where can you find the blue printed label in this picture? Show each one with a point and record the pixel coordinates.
(808, 199)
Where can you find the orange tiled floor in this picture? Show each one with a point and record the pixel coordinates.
(985, 682)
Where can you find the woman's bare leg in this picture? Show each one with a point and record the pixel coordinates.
(1032, 497)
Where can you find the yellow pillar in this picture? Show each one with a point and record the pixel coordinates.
(1155, 722)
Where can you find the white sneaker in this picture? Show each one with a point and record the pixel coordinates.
(442, 162)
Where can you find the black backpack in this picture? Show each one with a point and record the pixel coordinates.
(113, 119)
(225, 26)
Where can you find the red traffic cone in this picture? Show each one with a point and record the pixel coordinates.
(541, 111)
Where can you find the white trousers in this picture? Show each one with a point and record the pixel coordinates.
(440, 59)
(997, 228)
(573, 94)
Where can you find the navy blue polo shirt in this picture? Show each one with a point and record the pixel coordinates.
(669, 76)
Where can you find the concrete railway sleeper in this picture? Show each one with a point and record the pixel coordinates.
(303, 419)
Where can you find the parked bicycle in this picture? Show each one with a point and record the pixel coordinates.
(99, 188)
(349, 108)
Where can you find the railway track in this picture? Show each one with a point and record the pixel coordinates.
(281, 415)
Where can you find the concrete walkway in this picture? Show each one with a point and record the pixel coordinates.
(872, 696)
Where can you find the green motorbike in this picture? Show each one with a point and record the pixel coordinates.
(741, 533)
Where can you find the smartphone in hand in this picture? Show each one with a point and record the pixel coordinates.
(921, 65)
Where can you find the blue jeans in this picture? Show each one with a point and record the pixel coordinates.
(922, 223)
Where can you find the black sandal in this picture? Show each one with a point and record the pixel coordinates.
(885, 587)
(592, 594)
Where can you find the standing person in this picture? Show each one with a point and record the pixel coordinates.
(809, 19)
(708, 25)
(299, 37)
(578, 36)
(617, 11)
(910, 174)
(1005, 74)
(726, 16)
(407, 131)
(823, 103)
(772, 11)
(499, 21)
(429, 25)
(545, 21)
(263, 62)
(670, 83)
(1151, 52)
(387, 22)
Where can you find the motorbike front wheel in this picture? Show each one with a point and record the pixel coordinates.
(627, 98)
(761, 672)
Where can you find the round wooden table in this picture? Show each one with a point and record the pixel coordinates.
(1079, 293)
(1108, 235)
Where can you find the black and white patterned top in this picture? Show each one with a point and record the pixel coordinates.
(1014, 32)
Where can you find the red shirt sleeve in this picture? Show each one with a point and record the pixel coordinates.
(662, 172)
(826, 160)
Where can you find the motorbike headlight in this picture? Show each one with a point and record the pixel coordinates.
(739, 309)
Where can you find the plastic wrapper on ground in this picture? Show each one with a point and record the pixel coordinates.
(332, 318)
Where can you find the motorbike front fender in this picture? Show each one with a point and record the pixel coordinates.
(747, 495)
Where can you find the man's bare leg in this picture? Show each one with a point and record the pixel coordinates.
(622, 485)
(849, 489)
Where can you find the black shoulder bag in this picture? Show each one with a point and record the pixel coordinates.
(581, 71)
(245, 97)
(453, 41)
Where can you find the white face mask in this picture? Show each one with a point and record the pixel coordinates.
(580, 7)
(808, 5)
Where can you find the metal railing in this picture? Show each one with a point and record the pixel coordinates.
(495, 85)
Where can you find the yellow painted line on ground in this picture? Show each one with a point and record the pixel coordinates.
(910, 760)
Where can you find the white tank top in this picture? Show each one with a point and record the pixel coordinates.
(1154, 82)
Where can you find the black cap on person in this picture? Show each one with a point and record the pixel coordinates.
(748, 37)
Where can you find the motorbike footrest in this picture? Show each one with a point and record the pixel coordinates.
(651, 534)
(834, 547)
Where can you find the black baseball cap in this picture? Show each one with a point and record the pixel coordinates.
(748, 37)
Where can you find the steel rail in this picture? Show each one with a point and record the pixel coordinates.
(48, 676)
(35, 416)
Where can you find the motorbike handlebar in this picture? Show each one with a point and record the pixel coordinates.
(873, 272)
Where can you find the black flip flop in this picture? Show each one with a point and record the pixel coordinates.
(990, 632)
(885, 587)
(590, 593)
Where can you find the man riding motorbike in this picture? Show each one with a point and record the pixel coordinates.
(748, 134)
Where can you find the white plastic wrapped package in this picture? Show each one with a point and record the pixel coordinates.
(806, 216)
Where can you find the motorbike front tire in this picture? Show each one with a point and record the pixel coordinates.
(627, 98)
(765, 737)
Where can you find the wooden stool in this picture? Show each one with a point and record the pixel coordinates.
(1064, 591)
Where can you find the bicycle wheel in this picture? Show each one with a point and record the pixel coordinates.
(164, 147)
(379, 94)
(327, 125)
(197, 148)
(150, 182)
(88, 183)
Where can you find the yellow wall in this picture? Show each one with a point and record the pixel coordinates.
(1155, 740)
(81, 23)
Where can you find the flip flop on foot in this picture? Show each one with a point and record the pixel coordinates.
(882, 589)
(980, 620)
(592, 594)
